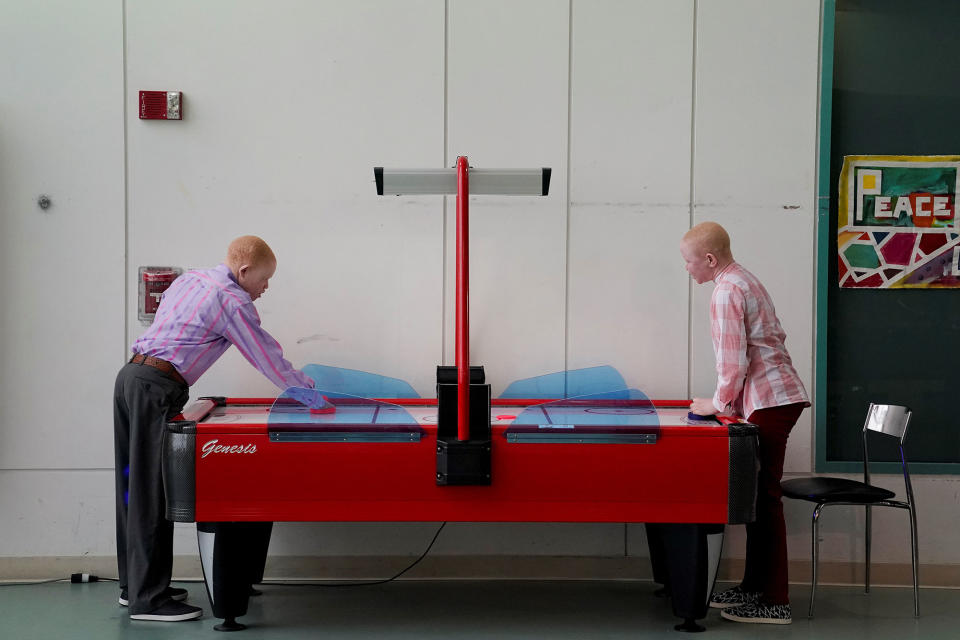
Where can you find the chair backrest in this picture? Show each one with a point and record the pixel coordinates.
(889, 420)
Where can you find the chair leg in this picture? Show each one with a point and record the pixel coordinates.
(816, 556)
(866, 540)
(914, 557)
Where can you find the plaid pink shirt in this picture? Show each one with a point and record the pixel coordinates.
(200, 316)
(754, 370)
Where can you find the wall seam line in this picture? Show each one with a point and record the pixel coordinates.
(126, 183)
(443, 224)
(566, 206)
(693, 155)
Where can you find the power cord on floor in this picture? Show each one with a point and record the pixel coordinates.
(89, 577)
(365, 583)
(32, 582)
(74, 578)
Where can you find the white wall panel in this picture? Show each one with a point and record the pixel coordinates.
(630, 105)
(287, 111)
(756, 102)
(52, 513)
(628, 295)
(632, 66)
(61, 134)
(507, 107)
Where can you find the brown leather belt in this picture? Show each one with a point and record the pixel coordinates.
(162, 365)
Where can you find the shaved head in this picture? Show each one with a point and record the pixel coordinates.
(252, 262)
(709, 237)
(706, 251)
(249, 251)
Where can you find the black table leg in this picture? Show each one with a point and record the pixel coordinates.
(232, 555)
(690, 554)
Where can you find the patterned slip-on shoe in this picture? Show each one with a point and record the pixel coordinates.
(759, 613)
(733, 597)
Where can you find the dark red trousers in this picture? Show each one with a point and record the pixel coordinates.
(766, 566)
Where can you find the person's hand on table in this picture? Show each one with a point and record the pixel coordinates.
(312, 398)
(703, 407)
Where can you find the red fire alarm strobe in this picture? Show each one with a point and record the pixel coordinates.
(153, 282)
(161, 105)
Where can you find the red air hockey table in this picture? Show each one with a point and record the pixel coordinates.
(233, 461)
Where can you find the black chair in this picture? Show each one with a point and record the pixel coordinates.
(882, 420)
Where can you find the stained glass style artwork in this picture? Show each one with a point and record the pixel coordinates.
(897, 222)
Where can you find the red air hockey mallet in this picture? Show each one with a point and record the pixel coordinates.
(327, 409)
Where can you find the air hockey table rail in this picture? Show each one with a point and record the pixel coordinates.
(227, 460)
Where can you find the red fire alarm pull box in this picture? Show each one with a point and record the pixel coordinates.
(153, 282)
(161, 105)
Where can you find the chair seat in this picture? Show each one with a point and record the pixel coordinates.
(827, 489)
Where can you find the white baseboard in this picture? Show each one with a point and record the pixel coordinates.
(486, 567)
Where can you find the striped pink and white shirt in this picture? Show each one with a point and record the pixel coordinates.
(200, 316)
(754, 370)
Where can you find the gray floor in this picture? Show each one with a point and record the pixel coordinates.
(471, 609)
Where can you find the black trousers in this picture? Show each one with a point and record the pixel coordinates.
(144, 400)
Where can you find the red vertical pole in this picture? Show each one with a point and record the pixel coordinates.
(463, 301)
